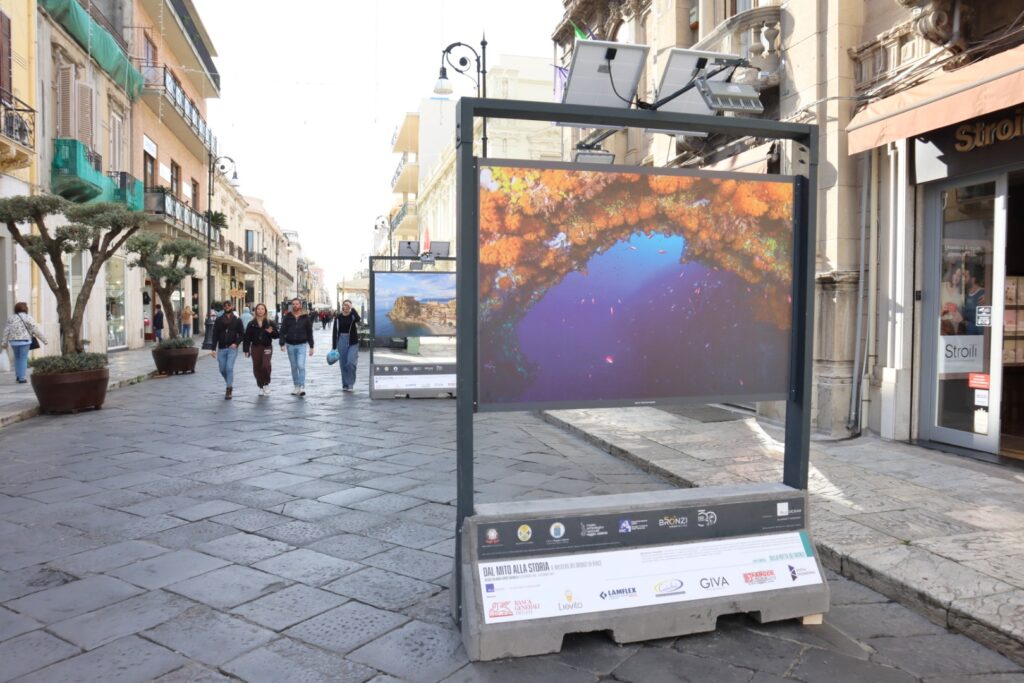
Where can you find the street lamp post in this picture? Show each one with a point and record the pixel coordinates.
(215, 165)
(444, 86)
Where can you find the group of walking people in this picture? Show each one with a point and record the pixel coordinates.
(294, 335)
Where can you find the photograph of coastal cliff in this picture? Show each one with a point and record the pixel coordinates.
(414, 305)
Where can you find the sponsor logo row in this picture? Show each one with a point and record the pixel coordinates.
(525, 533)
(668, 587)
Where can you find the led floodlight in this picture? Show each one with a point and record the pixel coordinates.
(737, 97)
(594, 156)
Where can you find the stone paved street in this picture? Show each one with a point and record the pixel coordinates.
(175, 536)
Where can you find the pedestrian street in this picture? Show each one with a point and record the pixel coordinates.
(177, 536)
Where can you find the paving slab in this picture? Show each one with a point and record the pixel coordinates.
(128, 660)
(71, 599)
(229, 586)
(289, 660)
(289, 606)
(209, 636)
(344, 628)
(32, 651)
(121, 619)
(167, 569)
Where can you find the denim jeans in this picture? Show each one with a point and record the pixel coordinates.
(297, 359)
(158, 334)
(348, 359)
(226, 364)
(186, 330)
(20, 350)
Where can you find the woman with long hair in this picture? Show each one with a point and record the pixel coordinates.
(260, 334)
(186, 321)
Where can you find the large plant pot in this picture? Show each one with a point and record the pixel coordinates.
(175, 361)
(69, 392)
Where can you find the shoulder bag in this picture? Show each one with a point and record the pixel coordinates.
(35, 342)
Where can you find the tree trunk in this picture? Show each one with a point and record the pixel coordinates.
(170, 317)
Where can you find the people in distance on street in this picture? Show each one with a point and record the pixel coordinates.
(158, 324)
(186, 321)
(260, 334)
(228, 333)
(345, 340)
(246, 317)
(296, 335)
(18, 334)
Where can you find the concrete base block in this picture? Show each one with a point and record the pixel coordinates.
(484, 642)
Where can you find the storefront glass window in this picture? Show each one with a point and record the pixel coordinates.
(116, 322)
(965, 313)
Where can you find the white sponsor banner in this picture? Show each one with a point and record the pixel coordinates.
(411, 381)
(962, 353)
(165, 172)
(148, 146)
(583, 583)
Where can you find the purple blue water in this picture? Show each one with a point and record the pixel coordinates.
(637, 324)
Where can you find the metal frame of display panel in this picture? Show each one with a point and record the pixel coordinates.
(798, 401)
(370, 319)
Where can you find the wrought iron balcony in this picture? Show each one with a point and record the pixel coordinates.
(754, 35)
(128, 190)
(180, 216)
(77, 172)
(17, 132)
(187, 122)
(405, 219)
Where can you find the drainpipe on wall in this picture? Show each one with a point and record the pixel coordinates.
(853, 419)
(871, 355)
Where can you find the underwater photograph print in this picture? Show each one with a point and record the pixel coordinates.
(632, 287)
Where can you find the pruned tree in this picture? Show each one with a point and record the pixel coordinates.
(96, 229)
(168, 262)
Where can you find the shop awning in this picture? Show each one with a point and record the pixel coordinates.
(977, 89)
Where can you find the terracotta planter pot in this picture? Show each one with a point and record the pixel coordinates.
(175, 361)
(69, 392)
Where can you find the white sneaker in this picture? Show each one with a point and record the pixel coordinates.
(295, 390)
(302, 391)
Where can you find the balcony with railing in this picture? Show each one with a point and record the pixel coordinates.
(127, 190)
(407, 175)
(162, 88)
(753, 34)
(176, 214)
(17, 132)
(77, 172)
(405, 224)
(186, 41)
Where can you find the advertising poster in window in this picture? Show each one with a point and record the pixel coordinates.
(631, 287)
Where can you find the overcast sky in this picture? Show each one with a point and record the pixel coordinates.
(311, 92)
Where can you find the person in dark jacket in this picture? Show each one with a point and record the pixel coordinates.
(345, 339)
(260, 334)
(296, 334)
(158, 324)
(228, 333)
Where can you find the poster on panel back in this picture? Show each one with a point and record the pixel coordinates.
(632, 286)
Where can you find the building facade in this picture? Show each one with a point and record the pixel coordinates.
(905, 207)
(267, 248)
(19, 119)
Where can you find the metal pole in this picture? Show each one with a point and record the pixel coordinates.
(277, 284)
(482, 75)
(263, 268)
(209, 242)
(465, 339)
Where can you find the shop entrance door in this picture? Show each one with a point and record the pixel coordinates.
(962, 321)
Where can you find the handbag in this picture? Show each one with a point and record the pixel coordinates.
(34, 344)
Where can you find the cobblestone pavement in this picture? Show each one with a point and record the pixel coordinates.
(175, 536)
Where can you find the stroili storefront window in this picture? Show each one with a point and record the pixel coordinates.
(117, 337)
(973, 381)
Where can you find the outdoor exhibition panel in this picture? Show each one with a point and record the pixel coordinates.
(640, 565)
(412, 321)
(584, 285)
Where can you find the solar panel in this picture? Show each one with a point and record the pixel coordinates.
(681, 68)
(604, 74)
